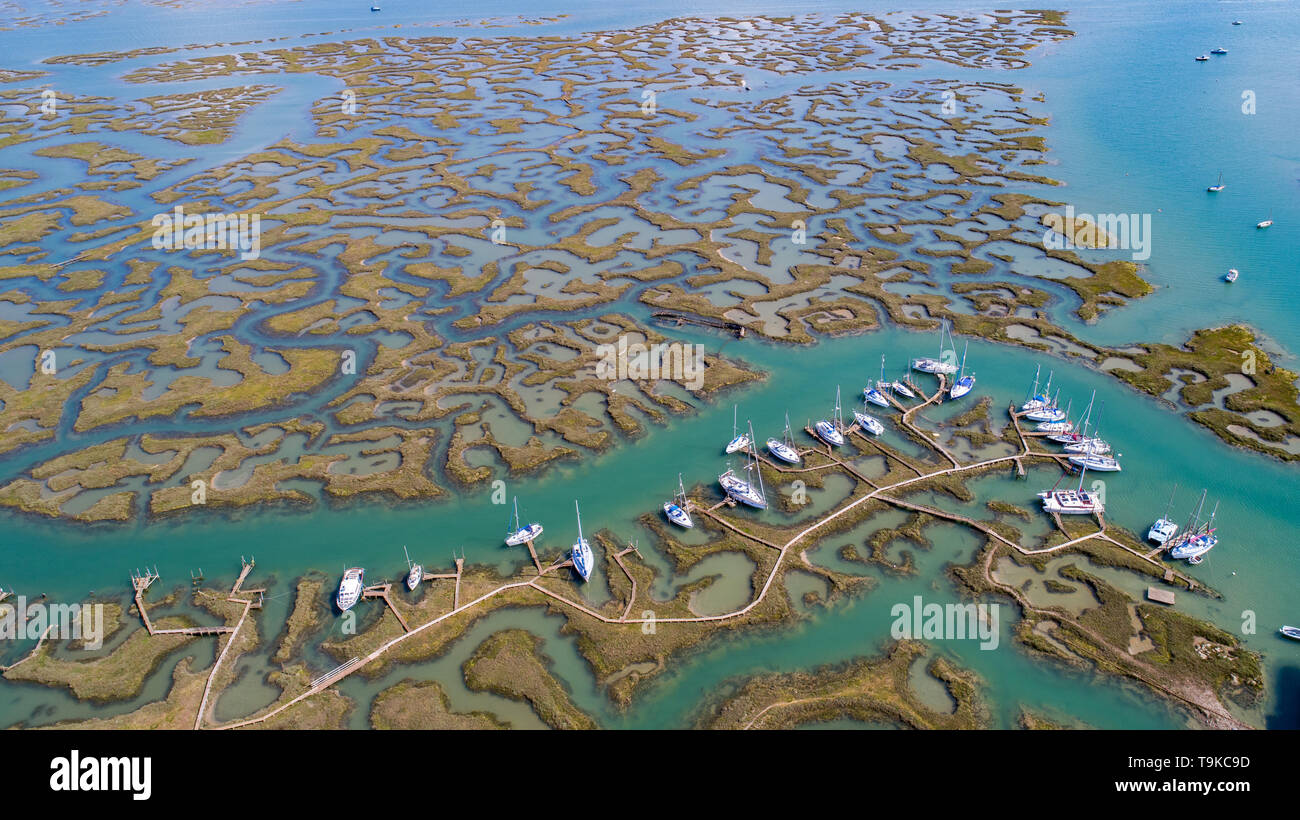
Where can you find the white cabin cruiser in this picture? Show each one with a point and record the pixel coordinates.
(350, 588)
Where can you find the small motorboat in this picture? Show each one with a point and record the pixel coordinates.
(1219, 50)
(1164, 528)
(1236, 22)
(1266, 223)
(1292, 632)
(1204, 58)
(1231, 275)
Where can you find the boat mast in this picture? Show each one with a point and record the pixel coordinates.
(1170, 505)
(579, 512)
(758, 469)
(839, 420)
(1033, 391)
(963, 361)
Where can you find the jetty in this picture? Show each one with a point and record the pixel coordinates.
(679, 319)
(876, 492)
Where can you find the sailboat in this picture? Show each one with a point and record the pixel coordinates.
(783, 448)
(868, 422)
(1058, 427)
(1266, 222)
(1035, 399)
(901, 388)
(1219, 50)
(739, 441)
(1093, 452)
(522, 535)
(1216, 187)
(876, 395)
(1195, 544)
(964, 383)
(740, 489)
(582, 560)
(1048, 410)
(415, 572)
(1072, 502)
(676, 509)
(831, 431)
(1164, 528)
(936, 366)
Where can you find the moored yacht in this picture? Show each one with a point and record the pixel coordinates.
(350, 588)
(676, 509)
(739, 441)
(414, 572)
(740, 489)
(1093, 461)
(1216, 187)
(1072, 502)
(1203, 58)
(869, 423)
(964, 383)
(1198, 539)
(581, 555)
(1164, 528)
(937, 367)
(1089, 446)
(832, 431)
(1036, 400)
(783, 448)
(1231, 275)
(1219, 50)
(522, 535)
(1291, 632)
(1266, 223)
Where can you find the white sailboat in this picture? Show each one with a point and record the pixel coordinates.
(902, 389)
(869, 423)
(1164, 528)
(522, 535)
(832, 431)
(743, 491)
(1048, 410)
(676, 509)
(937, 367)
(1216, 187)
(1072, 502)
(1266, 223)
(739, 441)
(876, 395)
(1199, 538)
(964, 383)
(1037, 400)
(581, 555)
(414, 572)
(783, 448)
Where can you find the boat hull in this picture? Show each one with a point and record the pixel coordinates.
(678, 516)
(582, 560)
(870, 424)
(737, 444)
(524, 535)
(783, 451)
(827, 433)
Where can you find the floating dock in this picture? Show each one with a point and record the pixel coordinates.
(1160, 596)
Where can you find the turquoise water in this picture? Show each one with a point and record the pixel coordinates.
(1137, 126)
